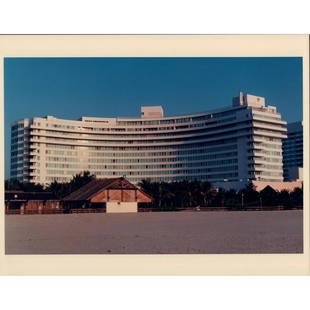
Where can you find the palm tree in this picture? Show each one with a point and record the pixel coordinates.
(14, 184)
(80, 179)
(285, 198)
(205, 192)
(297, 196)
(60, 190)
(269, 196)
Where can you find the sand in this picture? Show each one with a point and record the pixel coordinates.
(156, 233)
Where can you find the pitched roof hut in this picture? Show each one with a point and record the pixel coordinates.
(118, 194)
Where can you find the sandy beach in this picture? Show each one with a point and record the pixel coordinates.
(156, 233)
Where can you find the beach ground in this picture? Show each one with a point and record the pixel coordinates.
(235, 232)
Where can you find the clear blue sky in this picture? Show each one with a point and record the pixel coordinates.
(108, 87)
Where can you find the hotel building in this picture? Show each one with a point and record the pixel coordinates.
(293, 152)
(241, 142)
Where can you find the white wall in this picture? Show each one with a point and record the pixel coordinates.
(152, 111)
(122, 207)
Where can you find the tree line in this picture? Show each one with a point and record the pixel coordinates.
(60, 190)
(189, 194)
(181, 194)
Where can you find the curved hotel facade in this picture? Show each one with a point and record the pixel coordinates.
(240, 142)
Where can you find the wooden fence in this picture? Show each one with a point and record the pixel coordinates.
(88, 210)
(217, 208)
(145, 209)
(54, 211)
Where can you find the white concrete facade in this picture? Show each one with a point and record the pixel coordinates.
(240, 142)
(152, 112)
(121, 207)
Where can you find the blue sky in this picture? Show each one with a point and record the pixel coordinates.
(108, 87)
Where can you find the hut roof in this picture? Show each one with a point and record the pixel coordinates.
(93, 187)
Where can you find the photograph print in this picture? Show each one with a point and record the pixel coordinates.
(153, 155)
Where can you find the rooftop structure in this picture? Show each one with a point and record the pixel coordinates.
(152, 112)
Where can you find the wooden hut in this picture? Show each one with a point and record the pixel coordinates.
(111, 194)
(20, 202)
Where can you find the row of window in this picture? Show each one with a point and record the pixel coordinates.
(267, 138)
(165, 166)
(17, 146)
(151, 141)
(269, 173)
(16, 159)
(268, 159)
(262, 123)
(266, 116)
(212, 123)
(16, 166)
(163, 179)
(290, 142)
(147, 122)
(159, 172)
(293, 141)
(295, 134)
(269, 146)
(289, 156)
(292, 153)
(17, 126)
(138, 129)
(142, 148)
(262, 131)
(273, 167)
(266, 152)
(293, 164)
(146, 136)
(218, 177)
(35, 123)
(293, 147)
(177, 120)
(15, 153)
(197, 150)
(292, 158)
(17, 133)
(141, 160)
(269, 180)
(17, 140)
(58, 179)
